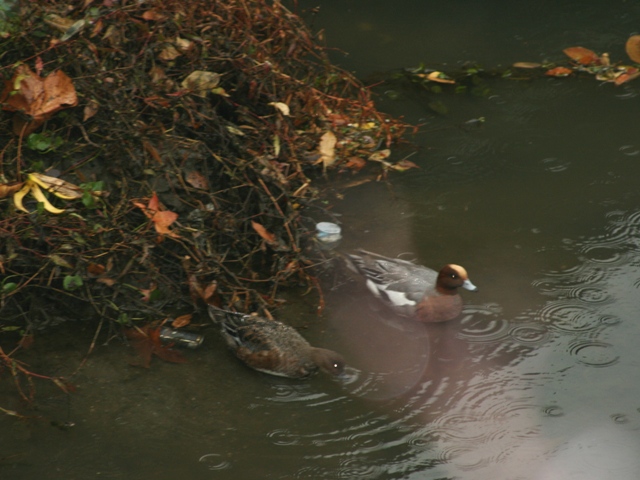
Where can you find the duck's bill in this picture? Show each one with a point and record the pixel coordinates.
(469, 286)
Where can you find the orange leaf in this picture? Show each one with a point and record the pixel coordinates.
(582, 55)
(632, 48)
(559, 72)
(181, 321)
(263, 232)
(161, 219)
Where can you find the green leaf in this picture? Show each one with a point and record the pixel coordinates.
(72, 282)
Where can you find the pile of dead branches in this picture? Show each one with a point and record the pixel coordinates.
(160, 153)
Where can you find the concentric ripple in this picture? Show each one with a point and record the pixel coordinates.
(593, 353)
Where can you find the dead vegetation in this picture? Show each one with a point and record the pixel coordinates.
(193, 135)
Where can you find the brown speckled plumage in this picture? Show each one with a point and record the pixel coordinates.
(272, 347)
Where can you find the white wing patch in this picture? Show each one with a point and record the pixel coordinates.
(399, 299)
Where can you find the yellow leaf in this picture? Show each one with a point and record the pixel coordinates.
(282, 107)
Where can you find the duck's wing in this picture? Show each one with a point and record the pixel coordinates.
(399, 281)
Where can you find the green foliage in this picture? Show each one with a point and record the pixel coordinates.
(72, 282)
(43, 143)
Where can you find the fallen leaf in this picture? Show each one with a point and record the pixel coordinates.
(403, 165)
(168, 53)
(263, 232)
(8, 189)
(527, 65)
(146, 342)
(355, 163)
(197, 180)
(36, 97)
(184, 45)
(282, 107)
(582, 55)
(90, 109)
(161, 218)
(154, 15)
(201, 82)
(439, 77)
(270, 239)
(380, 156)
(632, 48)
(327, 149)
(163, 221)
(559, 72)
(182, 321)
(627, 76)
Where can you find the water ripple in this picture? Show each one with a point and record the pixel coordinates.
(530, 335)
(593, 353)
(570, 316)
(475, 328)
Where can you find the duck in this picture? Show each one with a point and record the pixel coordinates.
(412, 290)
(272, 347)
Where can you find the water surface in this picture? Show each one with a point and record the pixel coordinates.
(540, 377)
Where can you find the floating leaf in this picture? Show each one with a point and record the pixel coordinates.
(439, 77)
(632, 48)
(559, 72)
(527, 65)
(582, 55)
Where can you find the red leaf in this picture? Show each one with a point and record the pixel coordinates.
(559, 72)
(582, 55)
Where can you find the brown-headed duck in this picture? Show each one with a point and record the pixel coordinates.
(413, 290)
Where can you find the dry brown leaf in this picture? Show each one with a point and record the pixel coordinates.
(380, 156)
(527, 65)
(355, 163)
(632, 48)
(201, 82)
(327, 149)
(197, 180)
(582, 55)
(181, 321)
(36, 97)
(439, 77)
(8, 189)
(90, 109)
(168, 53)
(154, 15)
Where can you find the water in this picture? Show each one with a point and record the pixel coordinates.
(539, 379)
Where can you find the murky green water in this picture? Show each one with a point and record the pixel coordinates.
(539, 379)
